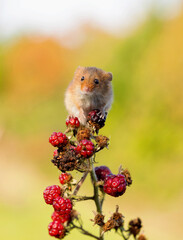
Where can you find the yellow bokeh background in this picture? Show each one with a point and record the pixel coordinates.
(145, 126)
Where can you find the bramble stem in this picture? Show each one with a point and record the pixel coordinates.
(85, 232)
(95, 188)
(81, 198)
(80, 183)
(96, 196)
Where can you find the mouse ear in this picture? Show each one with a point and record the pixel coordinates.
(79, 69)
(108, 76)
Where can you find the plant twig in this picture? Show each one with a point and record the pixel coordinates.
(85, 232)
(80, 183)
(81, 198)
(96, 195)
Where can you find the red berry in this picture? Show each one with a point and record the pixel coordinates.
(101, 172)
(62, 205)
(65, 178)
(62, 218)
(51, 192)
(58, 139)
(85, 148)
(73, 122)
(56, 229)
(115, 185)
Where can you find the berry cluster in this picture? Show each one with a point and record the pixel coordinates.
(53, 195)
(58, 139)
(114, 185)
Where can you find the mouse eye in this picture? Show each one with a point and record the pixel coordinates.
(82, 78)
(96, 81)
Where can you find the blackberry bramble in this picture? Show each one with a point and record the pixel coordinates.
(115, 185)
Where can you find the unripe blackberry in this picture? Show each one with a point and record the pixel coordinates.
(58, 139)
(101, 172)
(62, 205)
(51, 192)
(96, 119)
(65, 178)
(73, 122)
(85, 148)
(62, 218)
(56, 229)
(115, 185)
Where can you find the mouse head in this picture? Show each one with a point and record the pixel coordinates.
(92, 80)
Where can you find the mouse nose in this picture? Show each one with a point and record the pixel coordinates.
(86, 89)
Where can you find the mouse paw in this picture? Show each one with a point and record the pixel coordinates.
(103, 115)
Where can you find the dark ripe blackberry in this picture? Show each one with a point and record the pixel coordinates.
(65, 161)
(101, 172)
(96, 119)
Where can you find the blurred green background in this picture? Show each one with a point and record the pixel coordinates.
(145, 125)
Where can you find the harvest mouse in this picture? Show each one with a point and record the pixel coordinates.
(90, 89)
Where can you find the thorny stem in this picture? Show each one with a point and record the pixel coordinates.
(96, 196)
(81, 198)
(85, 232)
(102, 199)
(80, 183)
